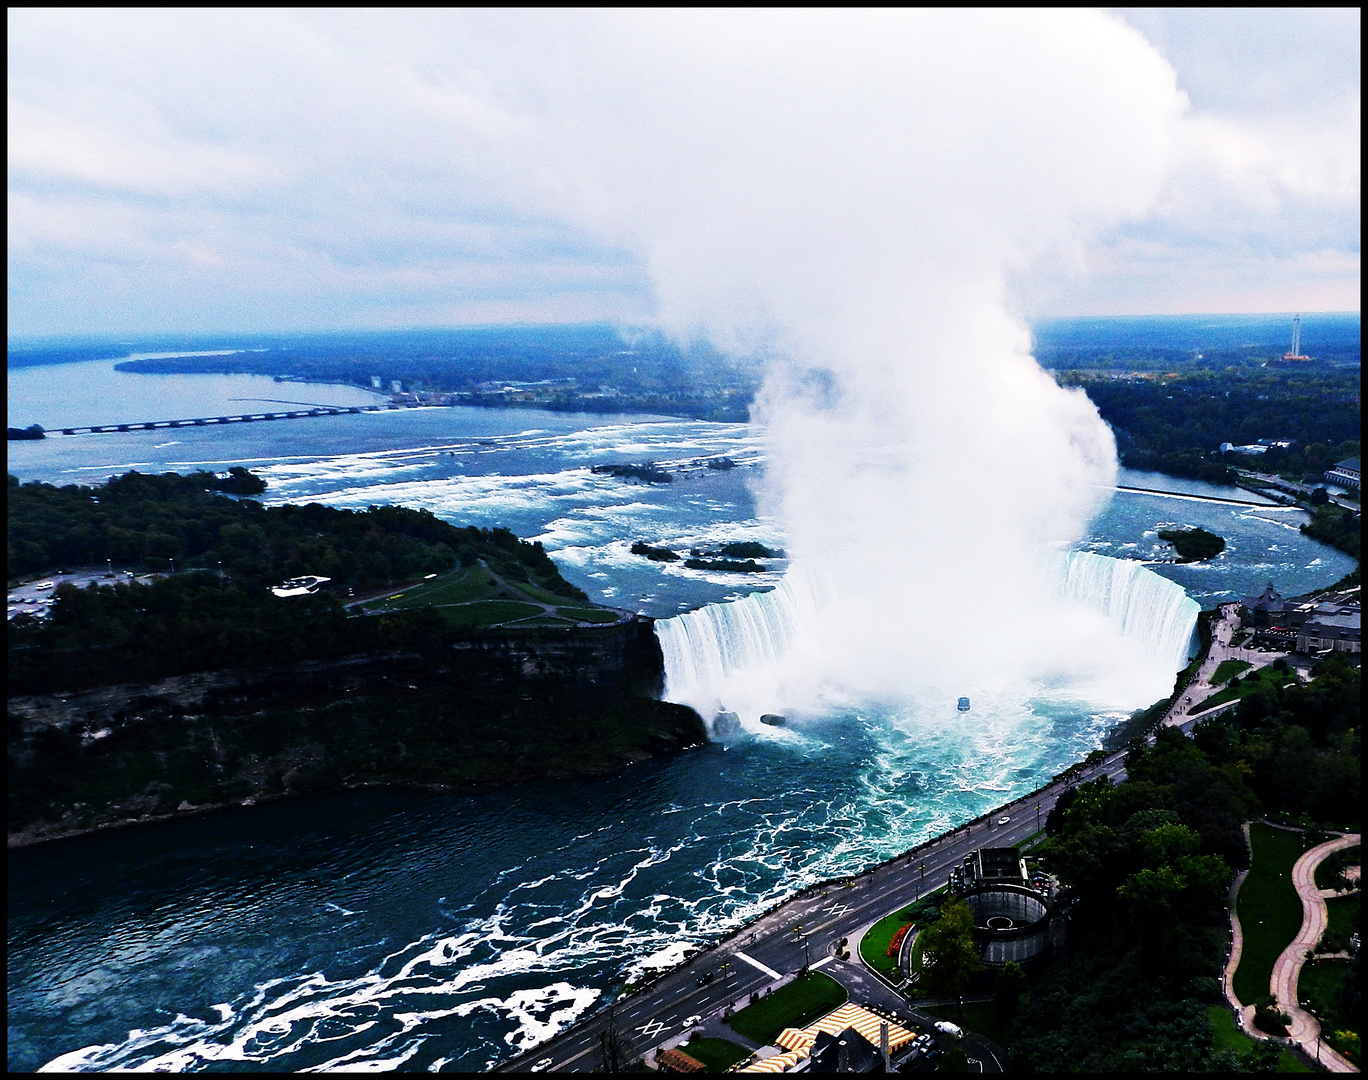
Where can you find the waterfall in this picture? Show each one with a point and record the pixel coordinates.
(729, 655)
(704, 649)
(1147, 607)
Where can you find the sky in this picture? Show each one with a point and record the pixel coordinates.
(183, 171)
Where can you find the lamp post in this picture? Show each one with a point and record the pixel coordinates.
(1037, 817)
(807, 959)
(110, 563)
(726, 976)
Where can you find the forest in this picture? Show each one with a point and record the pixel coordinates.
(217, 611)
(1176, 422)
(1147, 863)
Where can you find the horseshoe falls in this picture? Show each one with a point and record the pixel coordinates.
(1148, 609)
(745, 656)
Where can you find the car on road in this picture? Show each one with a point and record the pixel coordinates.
(1003, 820)
(543, 1064)
(706, 977)
(690, 1021)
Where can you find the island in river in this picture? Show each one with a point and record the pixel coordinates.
(432, 656)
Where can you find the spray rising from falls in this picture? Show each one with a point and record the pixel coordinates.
(747, 655)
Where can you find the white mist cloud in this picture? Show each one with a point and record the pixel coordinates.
(857, 190)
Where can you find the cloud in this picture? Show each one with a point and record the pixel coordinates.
(337, 144)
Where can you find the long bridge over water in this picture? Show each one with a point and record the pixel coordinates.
(239, 418)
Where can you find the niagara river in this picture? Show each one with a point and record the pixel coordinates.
(383, 929)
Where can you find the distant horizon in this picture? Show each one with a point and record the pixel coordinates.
(142, 337)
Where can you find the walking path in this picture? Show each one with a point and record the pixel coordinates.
(1304, 1028)
(1223, 630)
(1244, 1014)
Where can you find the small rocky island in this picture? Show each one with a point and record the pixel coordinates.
(737, 557)
(1193, 545)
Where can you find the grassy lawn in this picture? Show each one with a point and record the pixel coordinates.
(1227, 670)
(718, 1055)
(874, 945)
(485, 612)
(1228, 1036)
(800, 1002)
(457, 587)
(1343, 912)
(1265, 675)
(1322, 988)
(1270, 912)
(1327, 876)
(588, 614)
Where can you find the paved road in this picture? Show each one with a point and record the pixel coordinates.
(770, 948)
(1304, 1028)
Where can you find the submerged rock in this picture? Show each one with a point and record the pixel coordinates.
(774, 719)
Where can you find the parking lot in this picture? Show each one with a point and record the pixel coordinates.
(35, 597)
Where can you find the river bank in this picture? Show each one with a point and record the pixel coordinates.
(502, 708)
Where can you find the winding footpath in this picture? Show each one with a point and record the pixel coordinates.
(1304, 1028)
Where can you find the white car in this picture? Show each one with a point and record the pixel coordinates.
(1003, 820)
(691, 1021)
(544, 1063)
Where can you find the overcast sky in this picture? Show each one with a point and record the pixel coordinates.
(263, 170)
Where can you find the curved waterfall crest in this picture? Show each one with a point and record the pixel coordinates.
(713, 653)
(1147, 607)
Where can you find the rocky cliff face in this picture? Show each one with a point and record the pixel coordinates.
(496, 708)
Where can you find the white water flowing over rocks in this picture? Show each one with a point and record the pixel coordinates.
(734, 656)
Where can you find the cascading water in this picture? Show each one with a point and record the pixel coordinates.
(730, 656)
(705, 650)
(1148, 608)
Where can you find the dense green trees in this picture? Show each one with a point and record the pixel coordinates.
(1175, 422)
(225, 616)
(1338, 527)
(949, 955)
(148, 521)
(1146, 864)
(1193, 545)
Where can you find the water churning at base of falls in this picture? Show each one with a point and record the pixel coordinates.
(736, 655)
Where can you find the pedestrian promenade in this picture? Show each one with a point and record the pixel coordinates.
(1304, 1028)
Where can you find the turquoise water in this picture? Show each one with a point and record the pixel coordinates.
(446, 931)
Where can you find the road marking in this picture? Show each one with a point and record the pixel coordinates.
(651, 1028)
(756, 964)
(822, 962)
(836, 909)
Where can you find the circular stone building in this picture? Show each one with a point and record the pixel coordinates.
(1011, 922)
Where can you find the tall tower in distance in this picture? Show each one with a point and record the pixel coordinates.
(1295, 352)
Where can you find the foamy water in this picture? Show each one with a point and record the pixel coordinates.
(388, 929)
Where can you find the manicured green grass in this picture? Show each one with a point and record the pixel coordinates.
(874, 945)
(598, 615)
(1269, 909)
(1322, 988)
(485, 612)
(457, 587)
(1227, 670)
(718, 1055)
(800, 1002)
(1264, 675)
(1226, 1035)
(1343, 911)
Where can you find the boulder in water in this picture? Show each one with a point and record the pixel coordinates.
(774, 719)
(726, 723)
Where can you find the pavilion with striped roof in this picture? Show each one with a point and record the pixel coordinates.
(797, 1042)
